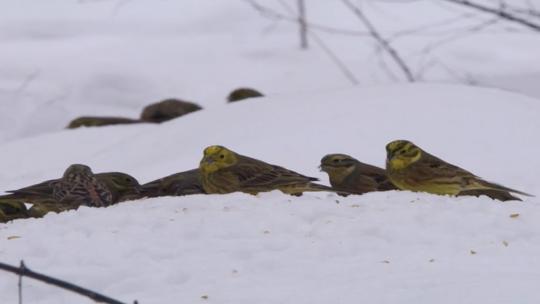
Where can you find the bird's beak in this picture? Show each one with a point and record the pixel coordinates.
(208, 160)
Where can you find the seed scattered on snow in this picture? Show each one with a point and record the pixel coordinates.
(432, 260)
(505, 243)
(13, 237)
(205, 297)
(473, 252)
(514, 215)
(266, 232)
(385, 262)
(355, 206)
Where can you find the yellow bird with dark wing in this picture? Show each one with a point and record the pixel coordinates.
(225, 171)
(411, 168)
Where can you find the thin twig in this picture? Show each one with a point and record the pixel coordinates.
(331, 54)
(302, 23)
(498, 12)
(24, 271)
(385, 45)
(21, 267)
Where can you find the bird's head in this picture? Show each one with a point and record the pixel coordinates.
(217, 157)
(337, 163)
(125, 185)
(77, 170)
(401, 153)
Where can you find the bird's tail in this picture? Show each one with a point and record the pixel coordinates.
(489, 185)
(494, 194)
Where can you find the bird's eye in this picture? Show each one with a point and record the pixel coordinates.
(336, 160)
(128, 180)
(221, 156)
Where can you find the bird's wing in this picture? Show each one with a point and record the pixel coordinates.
(445, 172)
(182, 183)
(38, 190)
(251, 174)
(373, 178)
(432, 168)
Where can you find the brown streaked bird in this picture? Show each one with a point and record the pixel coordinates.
(411, 168)
(96, 121)
(122, 187)
(351, 176)
(168, 109)
(178, 184)
(243, 93)
(78, 186)
(225, 171)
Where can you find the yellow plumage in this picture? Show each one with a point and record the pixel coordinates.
(224, 171)
(411, 168)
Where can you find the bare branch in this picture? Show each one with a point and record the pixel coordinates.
(331, 54)
(302, 23)
(24, 271)
(273, 14)
(498, 12)
(385, 45)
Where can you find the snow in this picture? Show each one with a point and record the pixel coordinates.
(384, 247)
(115, 57)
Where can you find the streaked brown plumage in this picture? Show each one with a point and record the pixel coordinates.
(79, 186)
(183, 183)
(224, 171)
(351, 176)
(411, 168)
(122, 187)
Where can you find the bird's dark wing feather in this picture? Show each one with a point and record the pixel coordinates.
(38, 190)
(259, 174)
(182, 183)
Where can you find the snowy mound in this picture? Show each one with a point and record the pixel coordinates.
(391, 247)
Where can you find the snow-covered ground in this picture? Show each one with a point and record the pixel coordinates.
(393, 247)
(114, 57)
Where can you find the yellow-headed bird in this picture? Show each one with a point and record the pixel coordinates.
(224, 171)
(411, 168)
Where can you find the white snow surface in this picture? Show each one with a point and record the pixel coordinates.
(387, 247)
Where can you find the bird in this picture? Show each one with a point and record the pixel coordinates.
(411, 168)
(12, 210)
(120, 186)
(243, 93)
(96, 121)
(168, 109)
(225, 171)
(178, 184)
(78, 186)
(351, 176)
